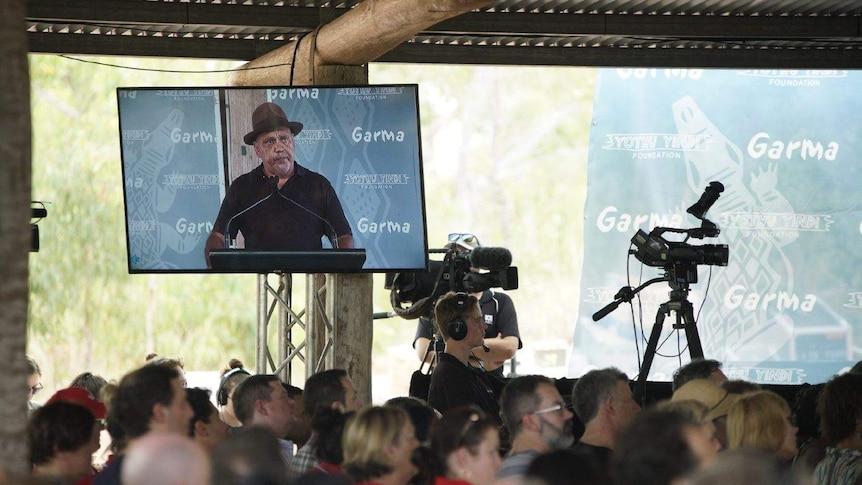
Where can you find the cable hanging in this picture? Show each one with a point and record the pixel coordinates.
(175, 71)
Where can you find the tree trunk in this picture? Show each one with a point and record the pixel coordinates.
(14, 234)
(369, 30)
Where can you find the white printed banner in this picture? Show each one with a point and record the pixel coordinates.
(786, 147)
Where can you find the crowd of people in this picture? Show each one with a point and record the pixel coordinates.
(257, 430)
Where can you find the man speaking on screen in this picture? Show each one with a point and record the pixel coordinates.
(280, 205)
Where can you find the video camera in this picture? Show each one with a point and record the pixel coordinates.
(466, 267)
(679, 258)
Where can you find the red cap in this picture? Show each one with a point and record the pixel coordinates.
(79, 395)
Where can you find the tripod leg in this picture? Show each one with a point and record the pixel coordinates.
(432, 351)
(649, 354)
(694, 348)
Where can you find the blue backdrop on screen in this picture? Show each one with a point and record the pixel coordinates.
(178, 147)
(171, 183)
(786, 147)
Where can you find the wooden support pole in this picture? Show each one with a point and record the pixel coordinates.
(337, 53)
(15, 184)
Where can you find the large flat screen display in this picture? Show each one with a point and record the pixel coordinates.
(298, 179)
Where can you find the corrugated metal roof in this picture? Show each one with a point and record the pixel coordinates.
(648, 33)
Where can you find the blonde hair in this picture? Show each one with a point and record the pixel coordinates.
(757, 420)
(694, 411)
(367, 435)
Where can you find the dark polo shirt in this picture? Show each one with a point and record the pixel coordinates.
(279, 224)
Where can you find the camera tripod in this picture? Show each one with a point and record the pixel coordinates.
(684, 313)
(420, 380)
(435, 348)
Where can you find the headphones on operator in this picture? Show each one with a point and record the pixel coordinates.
(221, 394)
(457, 328)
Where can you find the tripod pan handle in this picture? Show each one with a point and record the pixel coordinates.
(607, 309)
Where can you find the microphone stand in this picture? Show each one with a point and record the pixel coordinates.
(227, 238)
(679, 304)
(333, 235)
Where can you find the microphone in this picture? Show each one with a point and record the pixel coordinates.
(710, 195)
(273, 183)
(493, 259)
(333, 235)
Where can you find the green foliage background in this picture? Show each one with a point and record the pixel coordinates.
(504, 153)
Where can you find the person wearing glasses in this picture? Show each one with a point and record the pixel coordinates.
(538, 421)
(465, 443)
(280, 205)
(34, 384)
(454, 382)
(502, 337)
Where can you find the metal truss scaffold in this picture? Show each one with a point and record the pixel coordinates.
(305, 337)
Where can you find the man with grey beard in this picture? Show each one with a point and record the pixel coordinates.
(537, 419)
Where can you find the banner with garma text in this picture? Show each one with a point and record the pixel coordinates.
(786, 146)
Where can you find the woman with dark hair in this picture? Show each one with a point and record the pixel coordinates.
(230, 378)
(812, 446)
(423, 417)
(176, 364)
(89, 381)
(378, 446)
(466, 447)
(840, 410)
(329, 425)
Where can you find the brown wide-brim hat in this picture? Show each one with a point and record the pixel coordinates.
(714, 396)
(269, 117)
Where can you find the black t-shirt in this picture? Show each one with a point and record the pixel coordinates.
(599, 454)
(279, 224)
(455, 384)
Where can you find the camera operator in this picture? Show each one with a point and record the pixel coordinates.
(453, 382)
(502, 338)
